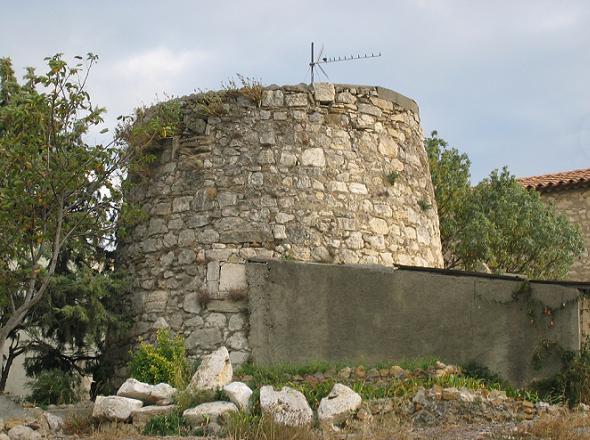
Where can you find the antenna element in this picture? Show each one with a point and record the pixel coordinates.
(317, 62)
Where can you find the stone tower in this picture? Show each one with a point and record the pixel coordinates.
(323, 173)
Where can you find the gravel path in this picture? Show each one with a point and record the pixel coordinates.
(9, 409)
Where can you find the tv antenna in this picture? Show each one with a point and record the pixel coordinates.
(319, 60)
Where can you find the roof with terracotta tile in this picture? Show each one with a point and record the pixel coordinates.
(557, 181)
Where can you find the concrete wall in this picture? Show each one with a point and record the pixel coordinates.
(302, 312)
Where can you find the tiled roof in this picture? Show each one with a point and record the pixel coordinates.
(566, 179)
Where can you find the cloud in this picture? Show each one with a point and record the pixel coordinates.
(158, 69)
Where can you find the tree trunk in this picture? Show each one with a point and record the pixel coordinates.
(2, 381)
(6, 369)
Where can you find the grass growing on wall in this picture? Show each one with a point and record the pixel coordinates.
(301, 378)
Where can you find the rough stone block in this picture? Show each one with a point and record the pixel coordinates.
(324, 92)
(141, 416)
(114, 408)
(296, 100)
(272, 98)
(209, 337)
(214, 372)
(209, 412)
(181, 204)
(232, 277)
(313, 157)
(287, 406)
(155, 301)
(358, 188)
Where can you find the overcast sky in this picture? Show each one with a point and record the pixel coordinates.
(508, 82)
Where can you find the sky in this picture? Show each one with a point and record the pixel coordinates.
(507, 82)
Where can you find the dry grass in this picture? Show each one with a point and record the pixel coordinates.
(86, 428)
(203, 298)
(246, 427)
(571, 426)
(386, 428)
(237, 295)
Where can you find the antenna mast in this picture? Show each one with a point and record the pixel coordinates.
(319, 60)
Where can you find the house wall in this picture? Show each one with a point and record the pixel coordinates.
(575, 204)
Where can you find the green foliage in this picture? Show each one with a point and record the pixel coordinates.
(54, 387)
(164, 361)
(498, 222)
(171, 424)
(67, 330)
(572, 383)
(450, 177)
(188, 398)
(210, 104)
(392, 177)
(147, 125)
(59, 202)
(281, 375)
(424, 204)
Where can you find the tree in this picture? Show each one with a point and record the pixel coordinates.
(450, 177)
(59, 196)
(498, 222)
(61, 207)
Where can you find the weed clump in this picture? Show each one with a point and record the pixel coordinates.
(55, 387)
(164, 361)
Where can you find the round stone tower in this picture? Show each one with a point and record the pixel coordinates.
(324, 173)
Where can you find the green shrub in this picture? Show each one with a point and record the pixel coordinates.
(392, 177)
(54, 387)
(170, 424)
(188, 398)
(164, 361)
(576, 375)
(572, 383)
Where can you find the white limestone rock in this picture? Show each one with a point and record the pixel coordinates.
(21, 432)
(210, 412)
(141, 416)
(134, 389)
(239, 393)
(214, 372)
(338, 405)
(115, 408)
(55, 423)
(324, 92)
(313, 157)
(288, 406)
(4, 436)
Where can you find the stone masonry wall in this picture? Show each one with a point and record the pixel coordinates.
(575, 204)
(300, 175)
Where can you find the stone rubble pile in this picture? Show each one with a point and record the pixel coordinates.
(43, 426)
(137, 402)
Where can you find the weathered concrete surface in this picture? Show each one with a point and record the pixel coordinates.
(302, 312)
